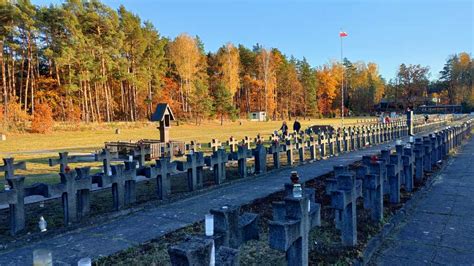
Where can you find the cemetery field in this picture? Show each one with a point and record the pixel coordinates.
(35, 149)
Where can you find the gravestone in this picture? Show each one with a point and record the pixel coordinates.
(194, 166)
(419, 164)
(275, 150)
(217, 162)
(241, 155)
(232, 229)
(106, 157)
(408, 167)
(83, 194)
(313, 146)
(15, 199)
(215, 145)
(344, 200)
(75, 204)
(289, 147)
(301, 147)
(64, 160)
(323, 143)
(123, 193)
(196, 251)
(247, 142)
(232, 143)
(292, 222)
(9, 167)
(373, 185)
(427, 155)
(260, 154)
(162, 171)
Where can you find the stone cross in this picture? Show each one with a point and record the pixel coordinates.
(162, 171)
(340, 142)
(122, 192)
(347, 140)
(217, 161)
(427, 156)
(143, 150)
(232, 143)
(288, 147)
(194, 165)
(106, 157)
(15, 198)
(393, 165)
(292, 222)
(301, 147)
(260, 154)
(83, 194)
(259, 139)
(232, 229)
(197, 251)
(64, 160)
(323, 142)
(247, 142)
(215, 145)
(9, 167)
(434, 149)
(373, 186)
(332, 139)
(193, 145)
(344, 200)
(275, 150)
(419, 153)
(313, 146)
(70, 190)
(241, 155)
(408, 167)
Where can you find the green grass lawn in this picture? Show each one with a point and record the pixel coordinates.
(35, 149)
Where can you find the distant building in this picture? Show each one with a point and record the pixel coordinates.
(258, 116)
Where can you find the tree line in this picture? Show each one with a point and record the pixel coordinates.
(89, 62)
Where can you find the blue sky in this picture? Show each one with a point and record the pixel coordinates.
(385, 32)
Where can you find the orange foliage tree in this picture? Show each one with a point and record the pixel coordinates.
(42, 119)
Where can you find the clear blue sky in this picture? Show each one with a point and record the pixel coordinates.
(385, 32)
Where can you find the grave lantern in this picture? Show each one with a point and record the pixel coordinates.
(164, 116)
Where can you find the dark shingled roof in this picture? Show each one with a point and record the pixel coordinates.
(160, 111)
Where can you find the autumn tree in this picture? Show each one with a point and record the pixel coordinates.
(185, 56)
(229, 63)
(326, 82)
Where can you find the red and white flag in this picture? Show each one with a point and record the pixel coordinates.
(342, 34)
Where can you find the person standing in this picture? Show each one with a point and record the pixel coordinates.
(296, 126)
(284, 129)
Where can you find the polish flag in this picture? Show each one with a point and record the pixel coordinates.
(342, 34)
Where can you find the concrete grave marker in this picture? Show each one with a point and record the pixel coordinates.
(292, 221)
(194, 166)
(217, 161)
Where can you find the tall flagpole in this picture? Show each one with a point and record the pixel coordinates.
(342, 85)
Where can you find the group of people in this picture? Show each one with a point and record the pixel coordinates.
(296, 127)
